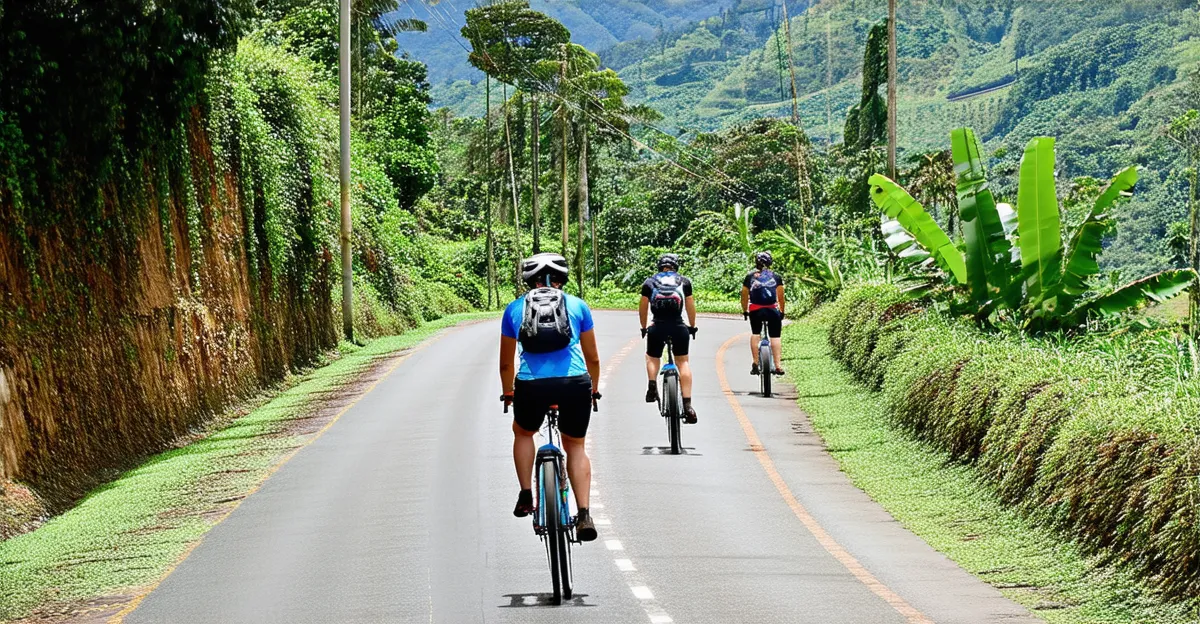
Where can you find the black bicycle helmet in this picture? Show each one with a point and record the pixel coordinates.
(762, 259)
(539, 266)
(669, 261)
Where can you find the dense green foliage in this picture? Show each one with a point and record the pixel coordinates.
(1096, 437)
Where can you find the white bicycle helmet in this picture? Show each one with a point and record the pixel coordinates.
(543, 264)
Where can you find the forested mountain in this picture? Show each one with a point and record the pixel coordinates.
(1104, 77)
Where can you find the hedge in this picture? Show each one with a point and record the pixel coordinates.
(1094, 436)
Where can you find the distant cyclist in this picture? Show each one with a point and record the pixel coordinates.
(559, 365)
(666, 295)
(763, 301)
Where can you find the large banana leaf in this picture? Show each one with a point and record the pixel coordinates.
(990, 268)
(1085, 245)
(902, 243)
(1039, 226)
(897, 204)
(1153, 289)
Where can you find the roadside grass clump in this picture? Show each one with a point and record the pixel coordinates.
(1097, 438)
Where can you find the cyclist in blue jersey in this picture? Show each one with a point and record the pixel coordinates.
(559, 365)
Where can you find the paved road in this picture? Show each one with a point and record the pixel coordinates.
(401, 512)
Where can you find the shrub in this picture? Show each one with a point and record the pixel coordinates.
(1102, 444)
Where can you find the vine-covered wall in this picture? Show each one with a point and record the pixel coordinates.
(202, 270)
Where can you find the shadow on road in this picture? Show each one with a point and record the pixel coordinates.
(543, 600)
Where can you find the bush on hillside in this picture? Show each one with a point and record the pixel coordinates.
(1101, 444)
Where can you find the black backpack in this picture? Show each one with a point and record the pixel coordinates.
(666, 294)
(762, 288)
(545, 326)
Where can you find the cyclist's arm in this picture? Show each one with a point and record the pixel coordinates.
(508, 363)
(587, 342)
(690, 304)
(782, 300)
(745, 299)
(644, 311)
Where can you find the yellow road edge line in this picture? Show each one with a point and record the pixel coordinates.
(120, 616)
(810, 523)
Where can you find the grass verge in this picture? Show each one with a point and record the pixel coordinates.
(949, 506)
(127, 533)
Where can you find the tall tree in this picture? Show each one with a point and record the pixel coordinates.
(1184, 131)
(508, 40)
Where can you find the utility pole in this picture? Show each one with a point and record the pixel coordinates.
(487, 134)
(801, 182)
(344, 102)
(891, 90)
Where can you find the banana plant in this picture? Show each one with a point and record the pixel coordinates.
(987, 226)
(899, 206)
(797, 259)
(1016, 259)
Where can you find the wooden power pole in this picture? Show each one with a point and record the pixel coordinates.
(891, 89)
(801, 177)
(344, 172)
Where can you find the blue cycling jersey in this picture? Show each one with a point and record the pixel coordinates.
(566, 362)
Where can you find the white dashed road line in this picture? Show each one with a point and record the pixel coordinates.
(636, 582)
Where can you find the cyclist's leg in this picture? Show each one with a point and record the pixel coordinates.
(774, 332)
(529, 410)
(655, 344)
(681, 341)
(574, 416)
(756, 323)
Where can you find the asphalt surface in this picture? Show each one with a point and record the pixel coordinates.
(401, 512)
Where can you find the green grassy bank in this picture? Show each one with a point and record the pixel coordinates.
(955, 506)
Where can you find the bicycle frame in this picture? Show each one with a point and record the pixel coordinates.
(551, 451)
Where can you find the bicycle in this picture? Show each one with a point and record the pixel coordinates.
(766, 363)
(552, 520)
(670, 401)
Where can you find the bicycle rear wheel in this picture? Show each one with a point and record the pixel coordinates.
(674, 413)
(552, 513)
(765, 368)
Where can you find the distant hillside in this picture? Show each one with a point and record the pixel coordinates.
(596, 24)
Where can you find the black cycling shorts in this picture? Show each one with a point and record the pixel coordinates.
(573, 396)
(656, 338)
(771, 317)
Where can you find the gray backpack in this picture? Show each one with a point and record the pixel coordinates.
(545, 325)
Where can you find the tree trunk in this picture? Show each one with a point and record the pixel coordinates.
(828, 81)
(491, 247)
(535, 118)
(595, 258)
(582, 210)
(891, 89)
(1194, 257)
(512, 186)
(562, 161)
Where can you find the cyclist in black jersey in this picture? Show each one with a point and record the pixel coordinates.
(667, 295)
